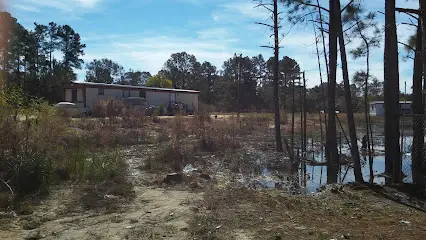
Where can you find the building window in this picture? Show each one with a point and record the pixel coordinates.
(74, 95)
(142, 94)
(100, 91)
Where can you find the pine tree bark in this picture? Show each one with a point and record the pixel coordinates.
(391, 95)
(418, 110)
(331, 145)
(348, 101)
(278, 141)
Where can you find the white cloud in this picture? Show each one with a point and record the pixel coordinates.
(64, 5)
(26, 8)
(88, 3)
(238, 11)
(217, 33)
(149, 53)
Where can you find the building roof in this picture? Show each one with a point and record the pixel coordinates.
(119, 86)
(382, 102)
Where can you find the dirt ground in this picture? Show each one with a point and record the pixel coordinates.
(154, 213)
(219, 200)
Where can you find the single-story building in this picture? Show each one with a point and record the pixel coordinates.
(86, 94)
(377, 108)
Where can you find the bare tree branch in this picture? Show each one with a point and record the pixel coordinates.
(316, 21)
(410, 24)
(267, 47)
(347, 5)
(407, 46)
(312, 5)
(408, 10)
(264, 5)
(349, 28)
(411, 15)
(7, 185)
(264, 24)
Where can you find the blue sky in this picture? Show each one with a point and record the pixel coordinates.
(142, 34)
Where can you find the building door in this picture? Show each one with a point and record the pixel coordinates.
(74, 95)
(172, 97)
(126, 93)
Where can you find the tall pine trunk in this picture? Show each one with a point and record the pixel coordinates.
(348, 100)
(418, 111)
(391, 95)
(331, 146)
(278, 141)
(422, 17)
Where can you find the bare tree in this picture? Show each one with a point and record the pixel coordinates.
(273, 8)
(366, 28)
(335, 29)
(348, 100)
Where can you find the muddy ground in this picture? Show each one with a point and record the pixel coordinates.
(217, 193)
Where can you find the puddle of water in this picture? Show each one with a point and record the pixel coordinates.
(316, 176)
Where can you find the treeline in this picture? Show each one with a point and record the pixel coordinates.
(242, 82)
(29, 57)
(41, 60)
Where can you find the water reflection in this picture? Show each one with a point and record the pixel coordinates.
(311, 175)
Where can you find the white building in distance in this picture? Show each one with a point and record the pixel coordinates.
(377, 108)
(86, 94)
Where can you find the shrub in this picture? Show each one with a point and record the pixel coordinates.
(100, 109)
(95, 167)
(220, 135)
(29, 134)
(178, 128)
(133, 119)
(160, 110)
(166, 158)
(115, 108)
(163, 136)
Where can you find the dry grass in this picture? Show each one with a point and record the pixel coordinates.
(167, 158)
(107, 196)
(350, 213)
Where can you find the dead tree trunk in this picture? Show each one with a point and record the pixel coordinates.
(322, 98)
(279, 145)
(348, 100)
(293, 109)
(391, 95)
(325, 60)
(331, 146)
(418, 111)
(367, 111)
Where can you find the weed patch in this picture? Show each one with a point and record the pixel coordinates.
(167, 158)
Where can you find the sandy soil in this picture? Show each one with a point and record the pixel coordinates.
(153, 213)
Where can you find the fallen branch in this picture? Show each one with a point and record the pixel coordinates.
(5, 183)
